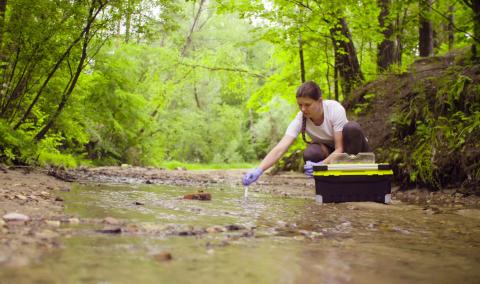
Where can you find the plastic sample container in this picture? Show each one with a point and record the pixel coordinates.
(347, 182)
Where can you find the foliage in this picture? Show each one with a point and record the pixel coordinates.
(156, 82)
(435, 136)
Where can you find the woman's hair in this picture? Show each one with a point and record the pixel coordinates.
(309, 89)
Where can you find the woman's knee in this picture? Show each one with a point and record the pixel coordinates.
(315, 153)
(352, 128)
(354, 141)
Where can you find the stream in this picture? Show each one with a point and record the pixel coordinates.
(153, 235)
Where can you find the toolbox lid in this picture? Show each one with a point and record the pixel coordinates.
(360, 164)
(352, 167)
(360, 158)
(334, 170)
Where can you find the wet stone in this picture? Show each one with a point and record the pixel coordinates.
(163, 256)
(431, 210)
(191, 232)
(111, 221)
(198, 196)
(73, 221)
(234, 227)
(53, 223)
(21, 197)
(110, 230)
(216, 229)
(15, 217)
(132, 228)
(248, 234)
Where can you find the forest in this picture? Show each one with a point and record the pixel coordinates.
(163, 83)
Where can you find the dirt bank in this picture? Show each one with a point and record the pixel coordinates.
(33, 218)
(31, 214)
(423, 122)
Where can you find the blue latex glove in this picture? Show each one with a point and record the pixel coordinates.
(251, 176)
(308, 167)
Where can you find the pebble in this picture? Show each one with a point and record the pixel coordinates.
(15, 217)
(198, 196)
(432, 210)
(21, 197)
(163, 256)
(216, 229)
(111, 221)
(53, 223)
(132, 228)
(111, 230)
(74, 221)
(234, 227)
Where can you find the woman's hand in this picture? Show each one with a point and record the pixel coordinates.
(252, 176)
(308, 167)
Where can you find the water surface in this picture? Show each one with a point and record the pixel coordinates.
(279, 240)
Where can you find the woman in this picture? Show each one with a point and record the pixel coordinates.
(325, 121)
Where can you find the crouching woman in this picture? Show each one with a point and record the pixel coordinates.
(326, 124)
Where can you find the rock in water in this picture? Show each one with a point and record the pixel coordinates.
(163, 256)
(198, 196)
(15, 217)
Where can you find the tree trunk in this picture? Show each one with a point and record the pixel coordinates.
(335, 80)
(425, 43)
(399, 34)
(476, 28)
(3, 7)
(128, 21)
(302, 62)
(188, 40)
(386, 49)
(346, 59)
(327, 75)
(47, 80)
(195, 91)
(451, 35)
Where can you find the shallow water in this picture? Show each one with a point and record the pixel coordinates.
(279, 240)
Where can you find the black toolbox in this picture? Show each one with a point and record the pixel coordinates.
(344, 182)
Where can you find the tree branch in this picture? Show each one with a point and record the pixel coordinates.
(228, 69)
(448, 19)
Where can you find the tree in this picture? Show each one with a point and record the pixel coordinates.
(425, 30)
(86, 37)
(474, 5)
(386, 49)
(346, 61)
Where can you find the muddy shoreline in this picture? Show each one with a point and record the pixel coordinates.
(33, 194)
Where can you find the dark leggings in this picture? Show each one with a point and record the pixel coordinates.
(354, 142)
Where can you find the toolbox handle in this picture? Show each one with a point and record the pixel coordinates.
(352, 167)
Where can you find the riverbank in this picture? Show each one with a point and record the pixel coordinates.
(33, 211)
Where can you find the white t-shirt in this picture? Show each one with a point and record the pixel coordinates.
(334, 120)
